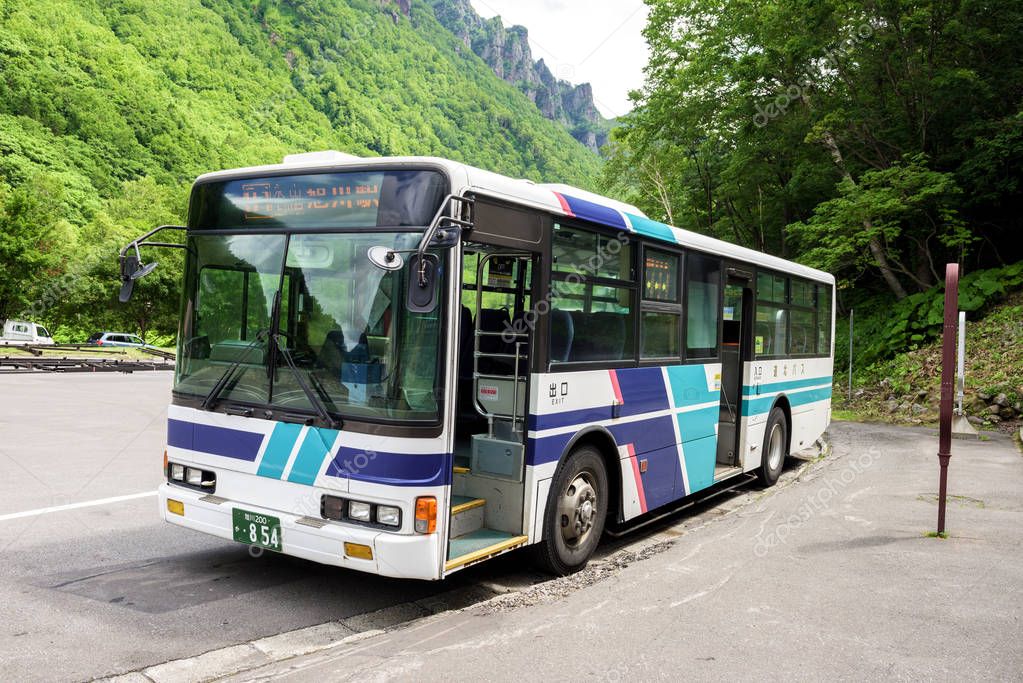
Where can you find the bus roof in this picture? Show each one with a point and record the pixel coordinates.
(557, 199)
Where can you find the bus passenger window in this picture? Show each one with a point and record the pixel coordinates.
(591, 283)
(703, 278)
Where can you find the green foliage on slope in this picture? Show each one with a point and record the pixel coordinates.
(109, 108)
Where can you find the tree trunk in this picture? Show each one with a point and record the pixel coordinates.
(876, 248)
(877, 251)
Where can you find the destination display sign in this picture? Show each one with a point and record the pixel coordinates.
(342, 200)
(357, 199)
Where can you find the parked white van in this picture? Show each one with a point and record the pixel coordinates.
(23, 333)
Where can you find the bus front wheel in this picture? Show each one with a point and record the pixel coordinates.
(576, 510)
(775, 449)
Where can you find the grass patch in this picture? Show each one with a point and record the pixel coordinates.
(937, 534)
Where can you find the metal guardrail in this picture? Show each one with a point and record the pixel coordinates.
(13, 364)
(38, 349)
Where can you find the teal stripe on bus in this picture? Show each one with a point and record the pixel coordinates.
(649, 228)
(757, 406)
(748, 390)
(275, 457)
(311, 454)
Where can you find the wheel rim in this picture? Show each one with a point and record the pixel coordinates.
(577, 510)
(776, 448)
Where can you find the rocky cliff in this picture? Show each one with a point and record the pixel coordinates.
(506, 50)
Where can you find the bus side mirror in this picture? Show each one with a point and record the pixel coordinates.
(131, 270)
(129, 264)
(130, 259)
(422, 283)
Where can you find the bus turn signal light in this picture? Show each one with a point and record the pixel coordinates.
(426, 515)
(175, 507)
(358, 551)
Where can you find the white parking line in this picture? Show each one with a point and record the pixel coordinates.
(75, 506)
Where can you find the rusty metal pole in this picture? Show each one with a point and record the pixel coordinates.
(948, 359)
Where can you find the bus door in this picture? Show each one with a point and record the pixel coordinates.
(500, 287)
(736, 319)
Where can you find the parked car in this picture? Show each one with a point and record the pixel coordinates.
(117, 339)
(24, 333)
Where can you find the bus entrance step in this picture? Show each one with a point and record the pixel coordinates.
(479, 545)
(466, 515)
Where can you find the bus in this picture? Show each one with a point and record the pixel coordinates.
(407, 366)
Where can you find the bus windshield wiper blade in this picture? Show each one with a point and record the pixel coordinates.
(314, 398)
(218, 388)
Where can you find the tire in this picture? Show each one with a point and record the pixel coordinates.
(775, 448)
(576, 512)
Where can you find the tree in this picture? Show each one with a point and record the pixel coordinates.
(32, 236)
(788, 118)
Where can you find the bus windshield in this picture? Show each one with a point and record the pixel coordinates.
(343, 321)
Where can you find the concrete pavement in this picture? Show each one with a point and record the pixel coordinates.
(832, 577)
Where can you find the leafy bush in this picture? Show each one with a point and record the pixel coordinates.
(908, 324)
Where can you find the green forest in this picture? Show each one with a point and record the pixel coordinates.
(110, 108)
(875, 140)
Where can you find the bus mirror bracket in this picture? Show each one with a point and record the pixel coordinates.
(131, 266)
(454, 215)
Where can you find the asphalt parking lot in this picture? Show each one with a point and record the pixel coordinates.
(92, 583)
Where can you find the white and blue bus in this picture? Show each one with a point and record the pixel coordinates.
(406, 366)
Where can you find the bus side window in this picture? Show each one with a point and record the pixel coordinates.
(703, 308)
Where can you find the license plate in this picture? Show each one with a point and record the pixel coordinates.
(258, 529)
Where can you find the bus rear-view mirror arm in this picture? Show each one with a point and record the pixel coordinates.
(130, 258)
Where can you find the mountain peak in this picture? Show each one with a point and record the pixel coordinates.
(506, 51)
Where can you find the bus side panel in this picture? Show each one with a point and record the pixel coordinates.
(663, 421)
(805, 383)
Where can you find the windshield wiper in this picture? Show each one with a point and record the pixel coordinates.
(218, 388)
(314, 398)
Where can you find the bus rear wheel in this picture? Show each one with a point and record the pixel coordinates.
(775, 448)
(576, 511)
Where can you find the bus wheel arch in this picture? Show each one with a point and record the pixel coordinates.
(776, 444)
(601, 439)
(782, 402)
(577, 506)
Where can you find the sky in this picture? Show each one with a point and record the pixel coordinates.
(584, 41)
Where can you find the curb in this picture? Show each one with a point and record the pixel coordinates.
(236, 659)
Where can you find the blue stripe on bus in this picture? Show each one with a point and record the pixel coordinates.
(757, 406)
(314, 450)
(748, 390)
(222, 441)
(597, 213)
(395, 469)
(642, 391)
(275, 457)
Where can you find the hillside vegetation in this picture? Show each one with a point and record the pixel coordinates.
(904, 385)
(109, 108)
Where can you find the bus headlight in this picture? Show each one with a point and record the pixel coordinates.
(359, 512)
(193, 476)
(388, 515)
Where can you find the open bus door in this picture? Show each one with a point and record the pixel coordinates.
(737, 318)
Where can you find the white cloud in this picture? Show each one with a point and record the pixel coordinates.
(593, 41)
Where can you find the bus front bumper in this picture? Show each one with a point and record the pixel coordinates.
(399, 555)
